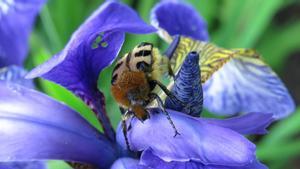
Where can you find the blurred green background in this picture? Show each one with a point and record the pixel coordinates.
(272, 27)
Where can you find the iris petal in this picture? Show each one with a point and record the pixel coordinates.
(251, 123)
(128, 163)
(247, 84)
(35, 127)
(24, 165)
(172, 18)
(149, 159)
(16, 22)
(15, 74)
(198, 140)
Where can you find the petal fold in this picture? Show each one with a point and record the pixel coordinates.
(35, 127)
(128, 163)
(252, 123)
(149, 159)
(16, 22)
(24, 165)
(173, 17)
(198, 140)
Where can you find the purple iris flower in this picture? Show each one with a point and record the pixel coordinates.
(202, 143)
(36, 127)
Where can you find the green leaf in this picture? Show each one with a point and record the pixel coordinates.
(276, 152)
(207, 9)
(278, 42)
(50, 30)
(281, 132)
(244, 21)
(112, 107)
(58, 165)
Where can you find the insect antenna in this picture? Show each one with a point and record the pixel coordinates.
(161, 106)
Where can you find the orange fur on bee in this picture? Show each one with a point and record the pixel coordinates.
(130, 81)
(140, 112)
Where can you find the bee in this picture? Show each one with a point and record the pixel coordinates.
(134, 81)
(138, 73)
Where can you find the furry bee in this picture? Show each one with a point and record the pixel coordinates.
(137, 74)
(134, 79)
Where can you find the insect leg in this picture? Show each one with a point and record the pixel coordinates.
(171, 73)
(124, 127)
(168, 92)
(160, 104)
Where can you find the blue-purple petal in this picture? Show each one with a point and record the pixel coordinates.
(187, 88)
(35, 127)
(15, 74)
(16, 22)
(92, 47)
(247, 85)
(24, 165)
(252, 123)
(128, 163)
(254, 165)
(149, 159)
(198, 140)
(177, 18)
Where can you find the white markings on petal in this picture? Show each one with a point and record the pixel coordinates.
(244, 86)
(5, 6)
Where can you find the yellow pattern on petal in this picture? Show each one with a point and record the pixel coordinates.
(212, 58)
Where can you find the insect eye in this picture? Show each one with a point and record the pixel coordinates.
(114, 79)
(143, 66)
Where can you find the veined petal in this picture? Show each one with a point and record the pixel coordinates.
(128, 163)
(253, 86)
(149, 159)
(176, 18)
(35, 127)
(15, 74)
(252, 123)
(246, 84)
(16, 22)
(24, 165)
(93, 47)
(198, 140)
